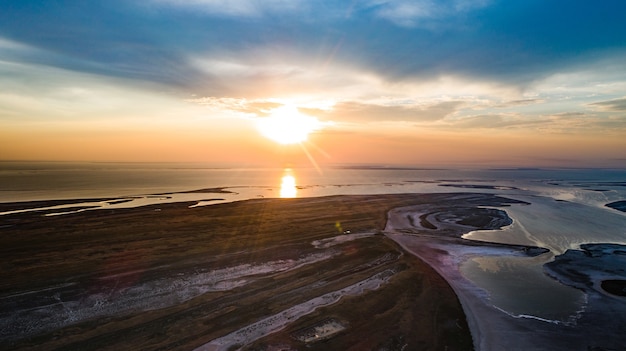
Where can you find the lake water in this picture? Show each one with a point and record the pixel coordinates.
(567, 208)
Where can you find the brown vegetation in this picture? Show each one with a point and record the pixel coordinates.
(416, 308)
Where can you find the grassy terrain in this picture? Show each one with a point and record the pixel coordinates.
(415, 310)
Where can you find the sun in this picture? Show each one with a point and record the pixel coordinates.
(286, 125)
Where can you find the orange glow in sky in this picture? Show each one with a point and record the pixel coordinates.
(428, 89)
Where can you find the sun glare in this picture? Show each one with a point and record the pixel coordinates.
(288, 185)
(286, 125)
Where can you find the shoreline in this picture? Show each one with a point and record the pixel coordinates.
(427, 226)
(491, 328)
(495, 329)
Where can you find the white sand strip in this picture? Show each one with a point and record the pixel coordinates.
(53, 312)
(280, 320)
(340, 239)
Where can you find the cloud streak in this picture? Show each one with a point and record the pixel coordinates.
(350, 111)
(616, 105)
(238, 8)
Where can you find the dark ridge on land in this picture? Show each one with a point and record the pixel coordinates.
(425, 223)
(480, 186)
(617, 205)
(598, 184)
(390, 168)
(25, 205)
(121, 201)
(517, 169)
(201, 191)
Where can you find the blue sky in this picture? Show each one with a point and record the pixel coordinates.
(436, 71)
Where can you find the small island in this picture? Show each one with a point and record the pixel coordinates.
(618, 205)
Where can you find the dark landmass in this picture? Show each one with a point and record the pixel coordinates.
(598, 270)
(480, 186)
(390, 168)
(597, 184)
(517, 169)
(424, 222)
(479, 218)
(590, 261)
(617, 205)
(25, 205)
(614, 286)
(201, 191)
(121, 201)
(176, 278)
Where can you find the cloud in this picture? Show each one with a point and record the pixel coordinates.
(254, 48)
(522, 102)
(351, 111)
(252, 108)
(406, 13)
(565, 122)
(411, 13)
(558, 123)
(569, 114)
(497, 121)
(345, 111)
(616, 105)
(238, 8)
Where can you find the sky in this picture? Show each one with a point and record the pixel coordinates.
(528, 83)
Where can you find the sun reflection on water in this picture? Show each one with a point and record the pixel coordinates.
(288, 185)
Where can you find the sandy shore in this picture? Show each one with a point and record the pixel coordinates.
(492, 328)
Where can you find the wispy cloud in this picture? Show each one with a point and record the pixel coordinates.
(615, 105)
(521, 102)
(351, 111)
(250, 108)
(497, 121)
(238, 8)
(407, 13)
(411, 13)
(560, 123)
